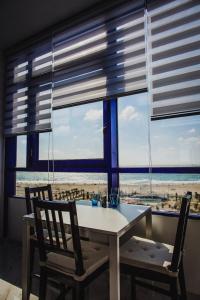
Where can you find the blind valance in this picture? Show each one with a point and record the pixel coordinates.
(28, 91)
(104, 57)
(174, 57)
(127, 48)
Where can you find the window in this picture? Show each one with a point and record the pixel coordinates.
(164, 143)
(133, 120)
(21, 151)
(176, 142)
(77, 134)
(61, 182)
(161, 191)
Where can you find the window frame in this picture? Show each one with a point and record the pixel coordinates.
(109, 164)
(33, 164)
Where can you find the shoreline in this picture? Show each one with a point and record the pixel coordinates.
(170, 193)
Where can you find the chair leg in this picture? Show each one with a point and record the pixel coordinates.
(73, 293)
(43, 284)
(62, 292)
(182, 282)
(174, 290)
(80, 295)
(32, 255)
(133, 288)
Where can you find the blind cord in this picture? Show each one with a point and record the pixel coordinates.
(149, 85)
(52, 83)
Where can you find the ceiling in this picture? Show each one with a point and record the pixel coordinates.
(20, 19)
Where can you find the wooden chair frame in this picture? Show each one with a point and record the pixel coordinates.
(176, 264)
(37, 192)
(51, 209)
(41, 192)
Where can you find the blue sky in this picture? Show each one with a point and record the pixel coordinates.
(172, 141)
(78, 133)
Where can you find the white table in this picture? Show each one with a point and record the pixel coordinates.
(116, 224)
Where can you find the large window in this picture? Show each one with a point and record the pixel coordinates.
(170, 143)
(94, 109)
(161, 191)
(21, 151)
(155, 162)
(77, 134)
(133, 120)
(62, 182)
(176, 142)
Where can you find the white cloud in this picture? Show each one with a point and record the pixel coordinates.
(180, 139)
(93, 115)
(99, 130)
(193, 130)
(62, 129)
(129, 113)
(171, 148)
(189, 140)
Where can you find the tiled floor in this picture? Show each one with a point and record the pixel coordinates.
(10, 270)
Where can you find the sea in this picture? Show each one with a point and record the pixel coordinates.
(100, 178)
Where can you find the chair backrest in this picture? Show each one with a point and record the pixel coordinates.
(181, 231)
(49, 216)
(42, 192)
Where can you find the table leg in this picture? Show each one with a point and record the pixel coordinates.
(149, 225)
(114, 257)
(26, 261)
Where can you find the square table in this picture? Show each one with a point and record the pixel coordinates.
(115, 223)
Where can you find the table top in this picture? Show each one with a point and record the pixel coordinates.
(110, 221)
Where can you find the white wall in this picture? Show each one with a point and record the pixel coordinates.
(164, 230)
(1, 145)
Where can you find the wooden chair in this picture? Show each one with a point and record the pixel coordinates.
(42, 192)
(74, 262)
(154, 261)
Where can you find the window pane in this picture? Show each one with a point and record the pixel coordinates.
(161, 191)
(133, 130)
(89, 182)
(21, 151)
(77, 133)
(176, 142)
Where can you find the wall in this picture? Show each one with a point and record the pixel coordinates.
(1, 145)
(164, 229)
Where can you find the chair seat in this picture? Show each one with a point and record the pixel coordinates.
(147, 254)
(94, 256)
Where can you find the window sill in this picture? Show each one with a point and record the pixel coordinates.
(192, 216)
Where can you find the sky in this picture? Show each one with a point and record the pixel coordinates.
(78, 133)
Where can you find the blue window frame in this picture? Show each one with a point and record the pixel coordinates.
(109, 164)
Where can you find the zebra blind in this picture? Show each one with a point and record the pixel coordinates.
(101, 57)
(28, 90)
(174, 57)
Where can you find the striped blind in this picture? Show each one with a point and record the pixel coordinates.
(28, 90)
(174, 57)
(101, 57)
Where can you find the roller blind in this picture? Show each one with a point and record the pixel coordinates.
(174, 57)
(101, 57)
(29, 90)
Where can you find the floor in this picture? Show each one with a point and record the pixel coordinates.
(10, 270)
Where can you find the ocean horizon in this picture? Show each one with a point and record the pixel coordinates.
(99, 178)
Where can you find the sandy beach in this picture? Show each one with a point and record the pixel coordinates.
(171, 193)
